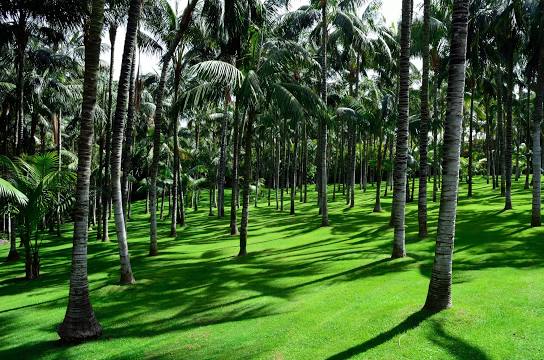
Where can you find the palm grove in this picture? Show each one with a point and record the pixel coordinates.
(269, 101)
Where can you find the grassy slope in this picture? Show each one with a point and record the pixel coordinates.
(302, 293)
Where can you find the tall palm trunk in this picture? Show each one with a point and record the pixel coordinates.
(118, 128)
(106, 190)
(80, 322)
(379, 160)
(183, 25)
(248, 139)
(508, 137)
(424, 124)
(471, 129)
(500, 132)
(294, 170)
(222, 159)
(127, 151)
(401, 154)
(538, 115)
(323, 173)
(235, 160)
(175, 182)
(22, 40)
(439, 294)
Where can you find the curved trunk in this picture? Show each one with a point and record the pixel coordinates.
(118, 128)
(401, 153)
(424, 124)
(80, 322)
(439, 294)
(247, 180)
(183, 25)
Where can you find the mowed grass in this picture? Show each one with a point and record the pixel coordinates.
(303, 292)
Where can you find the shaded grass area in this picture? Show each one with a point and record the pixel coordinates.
(303, 292)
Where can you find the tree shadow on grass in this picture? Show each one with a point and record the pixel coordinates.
(409, 323)
(457, 347)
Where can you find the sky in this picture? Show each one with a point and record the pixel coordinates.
(391, 10)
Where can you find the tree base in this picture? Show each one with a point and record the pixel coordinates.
(127, 279)
(398, 254)
(72, 331)
(13, 255)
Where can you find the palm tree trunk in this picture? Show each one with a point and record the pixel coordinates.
(500, 133)
(508, 137)
(247, 180)
(175, 183)
(377, 204)
(22, 40)
(80, 322)
(118, 128)
(424, 124)
(471, 126)
(294, 170)
(323, 173)
(538, 115)
(439, 294)
(222, 160)
(401, 155)
(12, 234)
(127, 151)
(106, 192)
(183, 25)
(235, 161)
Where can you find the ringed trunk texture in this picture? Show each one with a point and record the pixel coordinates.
(80, 322)
(424, 125)
(118, 127)
(539, 113)
(439, 294)
(399, 192)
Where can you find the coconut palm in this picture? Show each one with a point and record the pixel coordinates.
(118, 127)
(439, 294)
(80, 322)
(401, 153)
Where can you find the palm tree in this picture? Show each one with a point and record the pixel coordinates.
(322, 140)
(184, 22)
(536, 41)
(40, 180)
(80, 323)
(399, 192)
(439, 294)
(424, 124)
(118, 128)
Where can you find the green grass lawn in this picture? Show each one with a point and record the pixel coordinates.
(303, 292)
